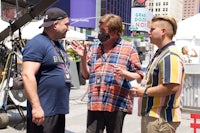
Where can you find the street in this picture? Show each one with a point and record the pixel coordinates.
(76, 119)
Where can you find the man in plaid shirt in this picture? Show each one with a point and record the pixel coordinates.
(110, 65)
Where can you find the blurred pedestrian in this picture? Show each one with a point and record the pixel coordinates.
(46, 77)
(188, 54)
(110, 65)
(161, 87)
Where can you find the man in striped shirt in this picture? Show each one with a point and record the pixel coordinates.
(110, 65)
(161, 87)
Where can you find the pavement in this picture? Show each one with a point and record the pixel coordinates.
(76, 119)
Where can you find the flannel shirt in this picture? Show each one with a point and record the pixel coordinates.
(108, 92)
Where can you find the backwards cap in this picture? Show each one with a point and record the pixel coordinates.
(53, 14)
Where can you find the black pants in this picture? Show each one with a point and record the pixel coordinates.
(52, 124)
(97, 121)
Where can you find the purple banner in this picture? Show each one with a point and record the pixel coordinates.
(83, 13)
(63, 4)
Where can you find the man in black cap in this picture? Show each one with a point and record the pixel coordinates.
(46, 76)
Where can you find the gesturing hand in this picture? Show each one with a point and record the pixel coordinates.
(81, 50)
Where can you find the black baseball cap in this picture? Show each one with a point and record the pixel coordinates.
(53, 14)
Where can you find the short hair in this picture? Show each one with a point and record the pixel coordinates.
(170, 25)
(184, 50)
(113, 21)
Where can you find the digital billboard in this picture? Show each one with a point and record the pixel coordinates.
(83, 13)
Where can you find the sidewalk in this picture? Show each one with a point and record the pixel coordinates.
(76, 119)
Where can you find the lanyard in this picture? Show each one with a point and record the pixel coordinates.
(105, 56)
(58, 49)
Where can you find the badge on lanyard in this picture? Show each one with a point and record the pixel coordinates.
(98, 81)
(67, 76)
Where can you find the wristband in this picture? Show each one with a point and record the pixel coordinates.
(145, 93)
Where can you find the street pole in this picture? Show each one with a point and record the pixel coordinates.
(17, 9)
(0, 9)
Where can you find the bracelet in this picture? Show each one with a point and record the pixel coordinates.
(145, 93)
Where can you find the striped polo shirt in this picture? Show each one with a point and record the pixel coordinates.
(167, 67)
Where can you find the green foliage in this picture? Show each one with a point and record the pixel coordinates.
(73, 56)
(138, 36)
(126, 38)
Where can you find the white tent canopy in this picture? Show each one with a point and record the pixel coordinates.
(74, 35)
(3, 25)
(188, 34)
(189, 28)
(31, 29)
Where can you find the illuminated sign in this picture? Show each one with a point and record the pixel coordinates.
(139, 3)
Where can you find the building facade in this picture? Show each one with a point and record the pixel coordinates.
(190, 8)
(118, 7)
(99, 8)
(84, 14)
(166, 7)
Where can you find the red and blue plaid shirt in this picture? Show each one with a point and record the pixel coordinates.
(108, 92)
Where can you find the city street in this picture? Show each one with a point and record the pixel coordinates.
(76, 120)
(90, 22)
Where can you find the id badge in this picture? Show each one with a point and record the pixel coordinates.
(98, 81)
(67, 77)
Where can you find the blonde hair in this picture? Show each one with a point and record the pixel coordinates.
(184, 50)
(113, 21)
(167, 22)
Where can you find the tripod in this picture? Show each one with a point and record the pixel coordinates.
(11, 96)
(8, 98)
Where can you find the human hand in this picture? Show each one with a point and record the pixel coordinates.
(138, 90)
(81, 50)
(193, 53)
(38, 116)
(118, 71)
